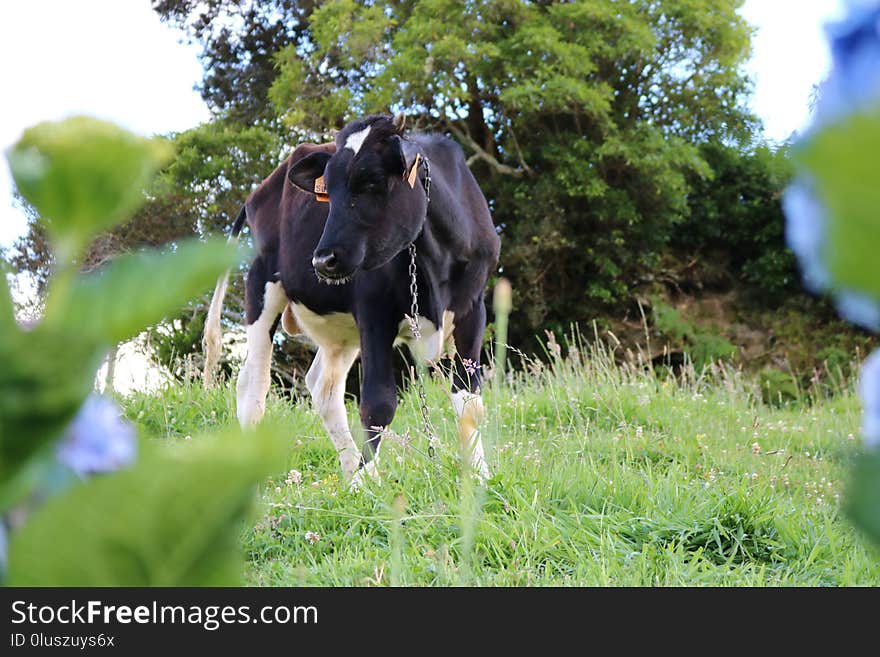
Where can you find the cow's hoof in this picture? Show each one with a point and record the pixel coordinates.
(360, 477)
(349, 461)
(481, 471)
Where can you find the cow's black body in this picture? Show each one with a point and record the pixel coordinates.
(456, 243)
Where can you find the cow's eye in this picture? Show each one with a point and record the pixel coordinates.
(368, 187)
(367, 184)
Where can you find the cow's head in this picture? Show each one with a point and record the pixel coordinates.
(377, 204)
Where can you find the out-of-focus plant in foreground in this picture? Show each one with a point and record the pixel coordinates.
(81, 502)
(833, 216)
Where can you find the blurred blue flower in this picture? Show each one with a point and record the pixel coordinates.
(805, 232)
(859, 309)
(854, 82)
(869, 391)
(97, 440)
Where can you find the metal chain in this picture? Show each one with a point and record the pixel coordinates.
(427, 185)
(413, 319)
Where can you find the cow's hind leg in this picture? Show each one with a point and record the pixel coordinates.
(326, 383)
(467, 399)
(264, 302)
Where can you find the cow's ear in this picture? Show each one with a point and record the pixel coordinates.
(308, 171)
(399, 122)
(403, 156)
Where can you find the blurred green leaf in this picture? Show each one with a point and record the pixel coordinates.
(136, 290)
(43, 381)
(83, 175)
(171, 520)
(863, 495)
(843, 161)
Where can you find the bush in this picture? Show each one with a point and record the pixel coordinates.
(737, 211)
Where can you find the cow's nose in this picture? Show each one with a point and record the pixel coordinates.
(325, 262)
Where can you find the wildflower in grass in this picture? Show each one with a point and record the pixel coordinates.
(294, 477)
(312, 537)
(97, 440)
(756, 449)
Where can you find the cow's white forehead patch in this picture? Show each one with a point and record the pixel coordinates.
(356, 139)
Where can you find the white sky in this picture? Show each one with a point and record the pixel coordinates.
(114, 59)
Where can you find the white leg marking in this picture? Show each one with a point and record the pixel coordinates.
(338, 343)
(356, 139)
(326, 382)
(253, 379)
(314, 372)
(434, 341)
(369, 471)
(469, 409)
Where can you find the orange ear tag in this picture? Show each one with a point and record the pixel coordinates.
(321, 190)
(414, 171)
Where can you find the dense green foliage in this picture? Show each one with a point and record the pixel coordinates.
(734, 215)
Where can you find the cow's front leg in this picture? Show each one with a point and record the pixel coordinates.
(378, 392)
(264, 301)
(326, 382)
(467, 399)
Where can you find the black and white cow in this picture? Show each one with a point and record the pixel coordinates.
(332, 228)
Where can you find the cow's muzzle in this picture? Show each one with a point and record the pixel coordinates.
(329, 268)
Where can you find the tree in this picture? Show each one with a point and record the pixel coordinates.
(198, 193)
(582, 120)
(239, 39)
(737, 213)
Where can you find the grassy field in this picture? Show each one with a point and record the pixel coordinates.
(602, 476)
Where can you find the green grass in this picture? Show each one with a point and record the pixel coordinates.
(602, 476)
